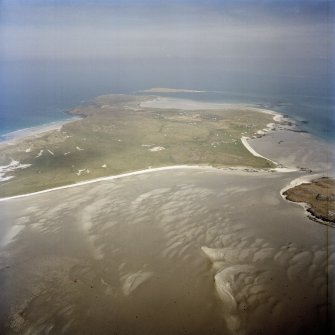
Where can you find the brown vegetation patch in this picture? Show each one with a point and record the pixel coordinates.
(319, 195)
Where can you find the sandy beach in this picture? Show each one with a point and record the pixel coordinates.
(296, 150)
(32, 132)
(289, 160)
(178, 137)
(244, 140)
(123, 175)
(289, 153)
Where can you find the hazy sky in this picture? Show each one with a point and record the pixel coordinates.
(239, 30)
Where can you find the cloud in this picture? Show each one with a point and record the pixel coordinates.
(176, 29)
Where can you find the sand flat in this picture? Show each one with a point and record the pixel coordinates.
(142, 260)
(170, 249)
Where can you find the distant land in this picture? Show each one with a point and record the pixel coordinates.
(170, 90)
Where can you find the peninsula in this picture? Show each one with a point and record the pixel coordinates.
(123, 133)
(319, 195)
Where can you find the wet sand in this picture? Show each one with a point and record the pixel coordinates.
(297, 149)
(191, 251)
(185, 104)
(119, 176)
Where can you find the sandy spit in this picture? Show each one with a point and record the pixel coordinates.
(238, 169)
(123, 175)
(244, 141)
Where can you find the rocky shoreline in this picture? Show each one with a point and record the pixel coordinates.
(319, 197)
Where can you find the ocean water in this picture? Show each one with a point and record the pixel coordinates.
(38, 92)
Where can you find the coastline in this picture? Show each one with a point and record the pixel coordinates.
(240, 170)
(122, 175)
(185, 104)
(162, 102)
(156, 102)
(306, 179)
(21, 134)
(244, 141)
(298, 181)
(188, 104)
(233, 214)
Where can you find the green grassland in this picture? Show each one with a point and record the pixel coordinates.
(115, 135)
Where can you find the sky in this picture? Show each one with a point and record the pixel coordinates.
(231, 30)
(282, 45)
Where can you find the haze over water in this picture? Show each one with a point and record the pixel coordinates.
(57, 55)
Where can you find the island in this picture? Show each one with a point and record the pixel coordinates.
(115, 134)
(170, 90)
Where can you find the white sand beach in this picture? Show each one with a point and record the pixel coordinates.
(244, 141)
(123, 175)
(33, 132)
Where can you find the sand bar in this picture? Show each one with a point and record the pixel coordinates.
(244, 141)
(123, 175)
(238, 169)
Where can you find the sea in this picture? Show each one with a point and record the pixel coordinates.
(35, 92)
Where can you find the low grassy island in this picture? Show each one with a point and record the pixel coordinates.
(117, 134)
(319, 195)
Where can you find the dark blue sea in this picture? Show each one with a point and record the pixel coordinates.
(33, 93)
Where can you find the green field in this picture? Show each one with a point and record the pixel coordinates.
(116, 136)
